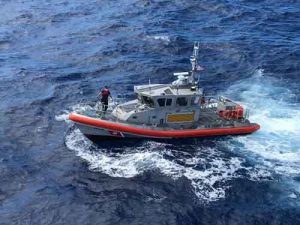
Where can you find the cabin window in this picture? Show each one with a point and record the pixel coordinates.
(181, 101)
(195, 100)
(169, 102)
(148, 101)
(161, 102)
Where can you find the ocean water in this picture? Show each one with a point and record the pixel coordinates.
(55, 56)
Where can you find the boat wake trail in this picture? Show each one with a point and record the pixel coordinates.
(207, 169)
(277, 144)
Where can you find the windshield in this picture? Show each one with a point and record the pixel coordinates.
(147, 101)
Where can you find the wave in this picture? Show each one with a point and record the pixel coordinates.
(206, 168)
(163, 38)
(277, 144)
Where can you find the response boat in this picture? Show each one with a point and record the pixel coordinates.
(165, 111)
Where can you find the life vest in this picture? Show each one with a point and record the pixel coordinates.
(105, 92)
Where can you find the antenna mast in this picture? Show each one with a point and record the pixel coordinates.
(189, 76)
(193, 58)
(194, 62)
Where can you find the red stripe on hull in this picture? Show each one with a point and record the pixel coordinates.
(160, 133)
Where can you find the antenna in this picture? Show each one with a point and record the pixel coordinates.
(193, 60)
(189, 76)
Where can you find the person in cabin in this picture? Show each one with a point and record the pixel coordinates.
(105, 93)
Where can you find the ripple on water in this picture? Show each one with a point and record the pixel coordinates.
(207, 169)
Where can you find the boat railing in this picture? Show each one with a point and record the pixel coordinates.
(246, 113)
(139, 89)
(209, 102)
(127, 108)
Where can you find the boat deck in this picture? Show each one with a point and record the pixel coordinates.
(209, 119)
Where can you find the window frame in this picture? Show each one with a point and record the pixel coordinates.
(164, 102)
(147, 101)
(193, 99)
(182, 105)
(170, 100)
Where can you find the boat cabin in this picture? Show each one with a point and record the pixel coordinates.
(176, 105)
(160, 96)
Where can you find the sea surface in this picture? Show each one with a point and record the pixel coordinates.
(55, 55)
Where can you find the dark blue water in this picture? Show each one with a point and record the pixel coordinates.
(54, 57)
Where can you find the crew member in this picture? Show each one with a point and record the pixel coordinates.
(105, 93)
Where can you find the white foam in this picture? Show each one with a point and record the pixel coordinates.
(163, 38)
(64, 115)
(258, 73)
(209, 184)
(277, 144)
(293, 195)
